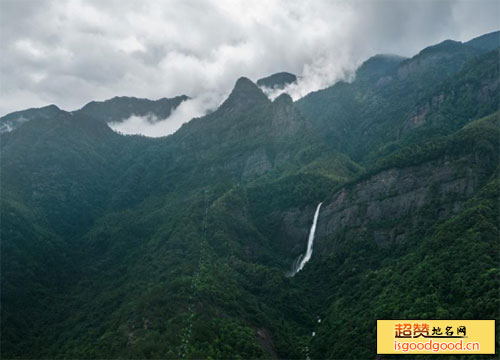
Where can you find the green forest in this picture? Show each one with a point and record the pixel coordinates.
(128, 247)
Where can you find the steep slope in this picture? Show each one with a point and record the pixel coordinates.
(115, 201)
(437, 175)
(179, 247)
(247, 137)
(360, 117)
(69, 187)
(470, 94)
(409, 240)
(449, 271)
(436, 62)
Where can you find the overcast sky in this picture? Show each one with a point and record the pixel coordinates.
(71, 52)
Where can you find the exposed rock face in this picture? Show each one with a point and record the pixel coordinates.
(295, 229)
(429, 111)
(418, 117)
(287, 120)
(381, 207)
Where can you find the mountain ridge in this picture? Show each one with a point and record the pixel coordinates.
(179, 246)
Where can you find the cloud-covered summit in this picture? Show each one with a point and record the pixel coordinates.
(71, 52)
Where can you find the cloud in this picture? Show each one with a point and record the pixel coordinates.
(150, 125)
(69, 53)
(319, 75)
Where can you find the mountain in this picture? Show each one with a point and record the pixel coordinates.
(245, 94)
(357, 118)
(377, 68)
(487, 42)
(277, 81)
(116, 109)
(119, 108)
(181, 247)
(11, 121)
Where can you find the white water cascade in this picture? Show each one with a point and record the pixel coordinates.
(302, 260)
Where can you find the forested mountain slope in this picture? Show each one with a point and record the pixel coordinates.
(129, 247)
(360, 117)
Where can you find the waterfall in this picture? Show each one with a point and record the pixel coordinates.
(301, 261)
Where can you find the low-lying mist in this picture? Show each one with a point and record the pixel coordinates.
(152, 126)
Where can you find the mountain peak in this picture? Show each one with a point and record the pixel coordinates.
(278, 80)
(246, 85)
(284, 99)
(51, 107)
(245, 93)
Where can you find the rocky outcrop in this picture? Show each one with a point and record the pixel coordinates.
(381, 208)
(295, 224)
(388, 206)
(287, 121)
(472, 92)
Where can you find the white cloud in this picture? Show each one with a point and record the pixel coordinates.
(130, 45)
(151, 126)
